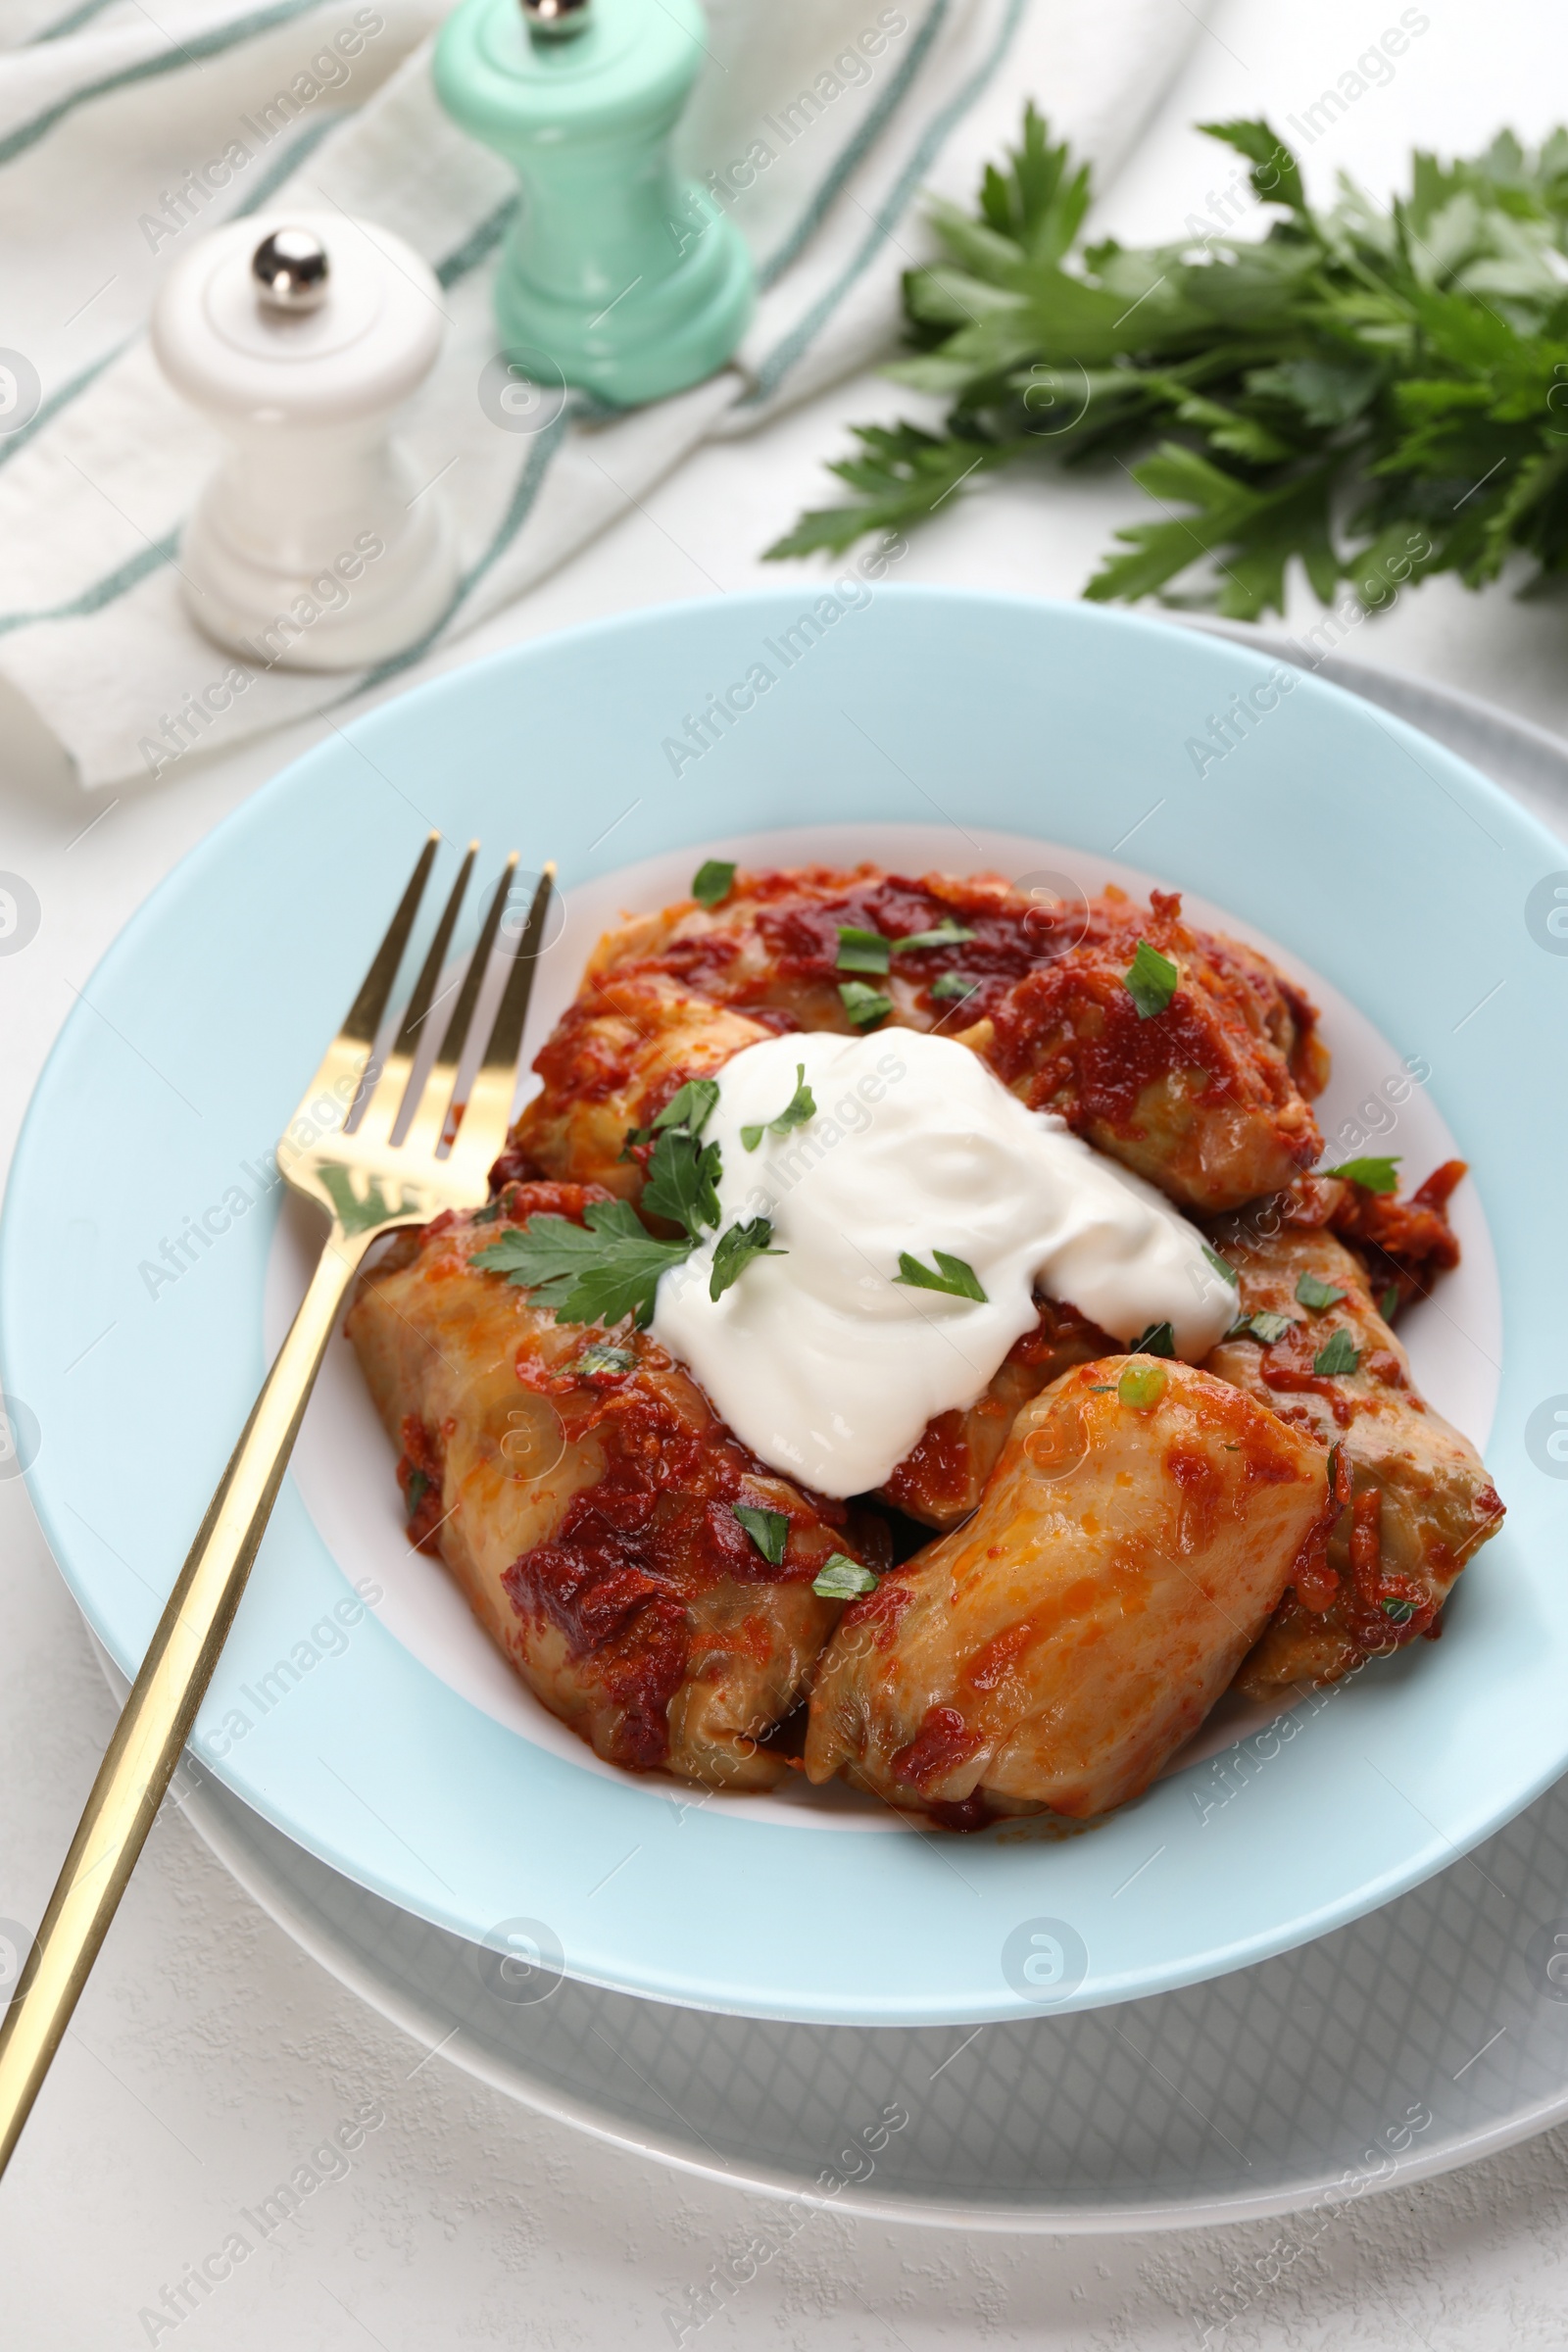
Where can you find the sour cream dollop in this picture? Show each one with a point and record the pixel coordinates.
(820, 1360)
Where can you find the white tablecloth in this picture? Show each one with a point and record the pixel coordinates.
(209, 2056)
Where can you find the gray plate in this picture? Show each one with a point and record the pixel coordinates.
(1414, 2040)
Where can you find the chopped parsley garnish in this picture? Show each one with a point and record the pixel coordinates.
(952, 1277)
(1340, 1354)
(1316, 1295)
(596, 1272)
(1158, 1340)
(486, 1215)
(1149, 980)
(769, 1531)
(600, 1357)
(1263, 1326)
(1389, 1303)
(948, 934)
(691, 1107)
(1402, 1611)
(842, 1578)
(682, 1181)
(1372, 1175)
(735, 1251)
(419, 1489)
(952, 984)
(1222, 1267)
(801, 1106)
(1141, 1386)
(862, 950)
(712, 881)
(863, 1004)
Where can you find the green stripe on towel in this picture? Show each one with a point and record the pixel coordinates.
(115, 584)
(857, 149)
(169, 61)
(520, 507)
(14, 443)
(795, 345)
(73, 21)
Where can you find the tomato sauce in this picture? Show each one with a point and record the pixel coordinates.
(942, 1744)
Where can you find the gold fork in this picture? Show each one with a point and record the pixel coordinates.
(368, 1183)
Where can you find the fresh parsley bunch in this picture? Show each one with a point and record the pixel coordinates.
(1382, 394)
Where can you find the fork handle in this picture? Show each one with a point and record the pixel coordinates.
(158, 1717)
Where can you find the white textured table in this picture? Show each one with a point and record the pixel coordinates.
(209, 2058)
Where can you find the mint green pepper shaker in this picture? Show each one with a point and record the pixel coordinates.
(617, 270)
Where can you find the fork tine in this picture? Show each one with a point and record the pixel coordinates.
(457, 1036)
(424, 987)
(505, 1034)
(437, 1100)
(384, 1091)
(364, 1013)
(345, 1075)
(482, 1123)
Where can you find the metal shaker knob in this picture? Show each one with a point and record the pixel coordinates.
(291, 270)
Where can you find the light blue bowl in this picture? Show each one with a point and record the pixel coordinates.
(1373, 855)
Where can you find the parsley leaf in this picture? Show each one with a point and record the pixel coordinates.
(841, 1579)
(1316, 1295)
(1158, 1340)
(801, 1106)
(737, 1245)
(948, 934)
(1389, 1303)
(690, 1106)
(1149, 980)
(712, 881)
(1372, 1175)
(863, 1004)
(1263, 1326)
(952, 1276)
(769, 1531)
(598, 1272)
(902, 474)
(1141, 1386)
(1340, 1354)
(1222, 1267)
(862, 950)
(952, 984)
(682, 1181)
(1402, 1611)
(486, 1215)
(418, 1487)
(600, 1357)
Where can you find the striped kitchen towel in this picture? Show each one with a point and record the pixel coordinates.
(122, 139)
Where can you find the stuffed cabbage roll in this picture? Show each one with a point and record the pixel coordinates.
(1131, 1543)
(1413, 1501)
(1205, 1095)
(584, 1495)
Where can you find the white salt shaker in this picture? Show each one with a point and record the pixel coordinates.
(313, 545)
